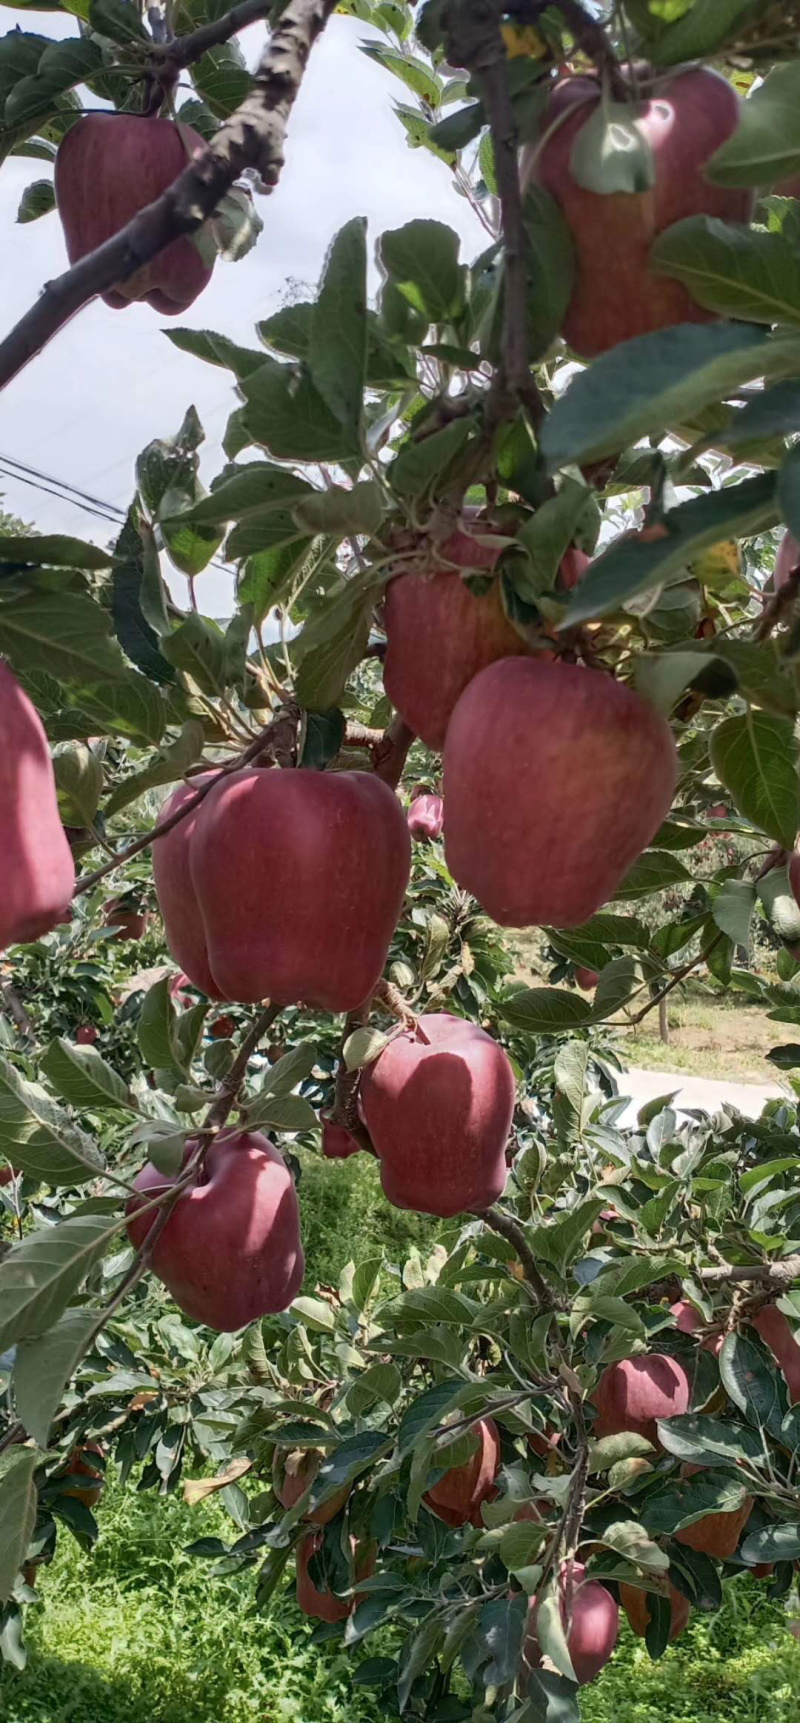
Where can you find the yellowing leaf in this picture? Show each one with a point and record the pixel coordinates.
(522, 40)
(197, 1489)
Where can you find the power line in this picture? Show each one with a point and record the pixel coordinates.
(64, 491)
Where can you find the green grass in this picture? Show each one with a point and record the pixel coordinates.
(346, 1216)
(137, 1632)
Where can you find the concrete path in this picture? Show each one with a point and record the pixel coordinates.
(707, 1093)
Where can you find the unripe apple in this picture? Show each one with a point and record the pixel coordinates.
(110, 166)
(778, 1334)
(437, 1103)
(337, 1143)
(591, 1623)
(715, 1534)
(786, 560)
(325, 1605)
(586, 979)
(291, 1475)
(299, 879)
(177, 898)
(439, 634)
(38, 870)
(90, 1479)
(635, 1604)
(230, 1251)
(555, 780)
(85, 1035)
(425, 817)
(615, 293)
(458, 1497)
(635, 1392)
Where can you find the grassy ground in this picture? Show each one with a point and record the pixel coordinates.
(709, 1038)
(138, 1633)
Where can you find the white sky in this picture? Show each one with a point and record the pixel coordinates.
(110, 381)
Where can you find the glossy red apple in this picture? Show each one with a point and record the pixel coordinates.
(615, 294)
(591, 1623)
(586, 979)
(555, 780)
(425, 817)
(38, 870)
(292, 1473)
(635, 1392)
(437, 1103)
(326, 1605)
(108, 167)
(439, 634)
(299, 879)
(458, 1497)
(222, 1028)
(636, 1606)
(85, 1035)
(230, 1251)
(337, 1143)
(177, 898)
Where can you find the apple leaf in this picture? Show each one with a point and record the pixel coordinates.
(254, 488)
(654, 380)
(216, 350)
(43, 1366)
(286, 414)
(337, 349)
(634, 563)
(222, 78)
(708, 1441)
(654, 871)
(543, 1010)
(422, 259)
(772, 1543)
(732, 909)
(82, 1077)
(757, 1387)
(611, 153)
(54, 550)
(755, 758)
(38, 199)
(765, 146)
(550, 266)
(39, 1276)
(38, 1138)
(17, 1514)
(420, 465)
(734, 270)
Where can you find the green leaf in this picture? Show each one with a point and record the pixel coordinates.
(654, 871)
(222, 79)
(414, 73)
(548, 533)
(765, 146)
(561, 1240)
(697, 30)
(732, 909)
(420, 465)
(633, 565)
(618, 980)
(706, 1441)
(772, 1543)
(733, 270)
(43, 1367)
(286, 414)
(756, 1387)
(363, 1047)
(38, 199)
(63, 633)
(337, 353)
(40, 1140)
(550, 1631)
(82, 1077)
(759, 672)
(269, 576)
(217, 350)
(325, 668)
(128, 706)
(550, 268)
(422, 259)
(132, 578)
(282, 1113)
(459, 129)
(255, 487)
(197, 647)
(427, 1411)
(544, 1010)
(337, 511)
(611, 153)
(61, 67)
(39, 1276)
(755, 758)
(684, 1501)
(170, 765)
(642, 385)
(79, 783)
(17, 1514)
(628, 1539)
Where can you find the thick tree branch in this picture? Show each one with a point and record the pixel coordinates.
(511, 1230)
(772, 1274)
(252, 138)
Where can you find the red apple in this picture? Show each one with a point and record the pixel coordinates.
(298, 878)
(337, 1143)
(108, 167)
(7, 1175)
(786, 560)
(130, 922)
(586, 979)
(555, 780)
(230, 1251)
(425, 817)
(222, 1028)
(778, 1335)
(636, 1606)
(574, 564)
(177, 898)
(439, 634)
(79, 1467)
(715, 1534)
(688, 1320)
(38, 870)
(325, 1605)
(615, 294)
(458, 1497)
(437, 1103)
(633, 1393)
(85, 1035)
(291, 1475)
(591, 1623)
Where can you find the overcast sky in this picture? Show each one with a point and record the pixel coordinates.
(110, 381)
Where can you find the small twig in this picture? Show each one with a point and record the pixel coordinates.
(186, 50)
(511, 1230)
(16, 1010)
(15, 1434)
(389, 754)
(776, 606)
(345, 1103)
(232, 1081)
(253, 137)
(679, 976)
